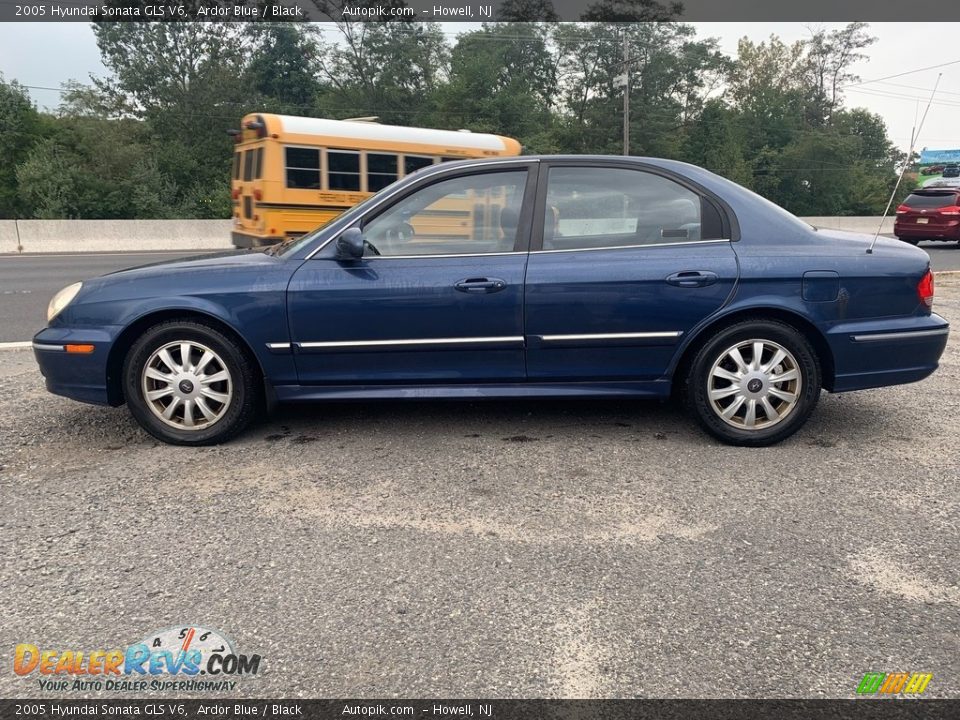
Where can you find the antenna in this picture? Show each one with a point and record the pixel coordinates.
(914, 135)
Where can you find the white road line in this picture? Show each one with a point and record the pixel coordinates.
(16, 345)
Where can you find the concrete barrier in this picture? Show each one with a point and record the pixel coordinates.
(8, 237)
(852, 223)
(66, 236)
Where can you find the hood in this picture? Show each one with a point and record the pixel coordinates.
(207, 261)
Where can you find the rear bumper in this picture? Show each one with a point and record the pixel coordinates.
(78, 377)
(913, 231)
(886, 352)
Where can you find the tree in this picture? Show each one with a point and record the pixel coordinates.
(390, 70)
(502, 80)
(188, 83)
(21, 128)
(284, 66)
(713, 142)
(830, 55)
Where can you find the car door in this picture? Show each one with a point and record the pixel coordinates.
(625, 260)
(437, 296)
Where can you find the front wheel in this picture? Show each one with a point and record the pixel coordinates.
(754, 383)
(187, 383)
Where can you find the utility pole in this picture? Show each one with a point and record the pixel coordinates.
(626, 94)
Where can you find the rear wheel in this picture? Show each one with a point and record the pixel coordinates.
(754, 383)
(187, 383)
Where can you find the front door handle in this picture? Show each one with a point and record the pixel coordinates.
(692, 278)
(481, 285)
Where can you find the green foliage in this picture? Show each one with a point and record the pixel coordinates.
(21, 128)
(150, 141)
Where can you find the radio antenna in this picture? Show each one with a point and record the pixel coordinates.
(913, 141)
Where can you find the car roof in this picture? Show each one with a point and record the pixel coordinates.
(945, 190)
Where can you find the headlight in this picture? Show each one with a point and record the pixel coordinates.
(62, 299)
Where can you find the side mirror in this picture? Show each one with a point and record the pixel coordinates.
(350, 244)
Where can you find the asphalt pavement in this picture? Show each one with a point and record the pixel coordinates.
(501, 549)
(27, 282)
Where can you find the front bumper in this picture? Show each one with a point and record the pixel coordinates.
(876, 353)
(81, 377)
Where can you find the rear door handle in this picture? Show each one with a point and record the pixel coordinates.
(481, 285)
(692, 278)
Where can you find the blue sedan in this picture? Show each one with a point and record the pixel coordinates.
(530, 276)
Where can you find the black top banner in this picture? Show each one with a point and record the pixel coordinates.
(473, 11)
(889, 709)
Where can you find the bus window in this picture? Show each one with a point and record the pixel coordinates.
(258, 164)
(303, 168)
(343, 170)
(248, 165)
(381, 171)
(412, 163)
(236, 165)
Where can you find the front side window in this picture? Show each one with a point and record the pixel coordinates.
(302, 168)
(617, 207)
(381, 171)
(465, 215)
(343, 170)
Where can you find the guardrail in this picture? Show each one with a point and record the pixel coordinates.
(71, 236)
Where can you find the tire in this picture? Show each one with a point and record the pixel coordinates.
(714, 368)
(910, 241)
(217, 386)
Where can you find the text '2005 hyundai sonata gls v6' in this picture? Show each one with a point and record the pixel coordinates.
(529, 276)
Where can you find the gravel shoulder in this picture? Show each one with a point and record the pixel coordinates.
(503, 549)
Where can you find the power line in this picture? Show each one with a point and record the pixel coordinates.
(907, 72)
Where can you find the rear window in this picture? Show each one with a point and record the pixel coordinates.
(248, 165)
(931, 200)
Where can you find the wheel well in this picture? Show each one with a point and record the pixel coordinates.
(819, 344)
(128, 337)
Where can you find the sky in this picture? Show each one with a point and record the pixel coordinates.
(45, 55)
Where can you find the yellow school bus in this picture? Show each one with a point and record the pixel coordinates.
(292, 174)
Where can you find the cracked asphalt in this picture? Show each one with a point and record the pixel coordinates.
(502, 549)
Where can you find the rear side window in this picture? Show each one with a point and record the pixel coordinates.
(343, 170)
(618, 207)
(302, 168)
(930, 201)
(381, 171)
(412, 163)
(236, 165)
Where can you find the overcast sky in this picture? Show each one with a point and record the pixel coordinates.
(47, 54)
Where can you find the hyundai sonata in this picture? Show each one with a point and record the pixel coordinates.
(530, 276)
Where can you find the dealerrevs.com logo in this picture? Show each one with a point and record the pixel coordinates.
(187, 658)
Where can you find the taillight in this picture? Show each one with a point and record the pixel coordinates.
(925, 289)
(257, 195)
(235, 194)
(902, 209)
(952, 210)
